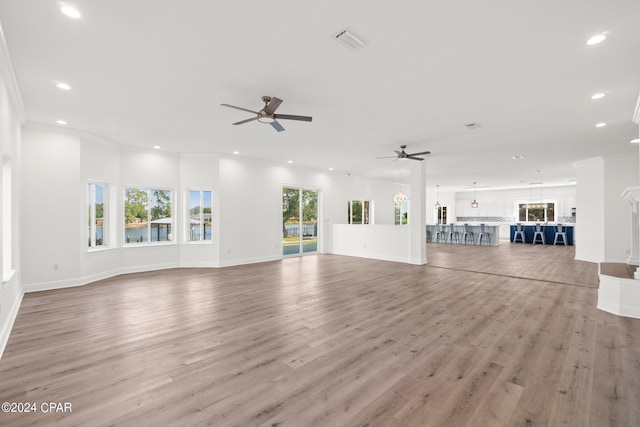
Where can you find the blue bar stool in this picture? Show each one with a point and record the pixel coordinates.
(453, 233)
(468, 234)
(439, 233)
(539, 233)
(519, 233)
(484, 233)
(560, 233)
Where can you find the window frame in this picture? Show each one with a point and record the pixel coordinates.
(366, 212)
(547, 208)
(170, 232)
(91, 193)
(398, 213)
(187, 210)
(441, 215)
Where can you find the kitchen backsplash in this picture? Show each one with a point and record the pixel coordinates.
(507, 219)
(485, 219)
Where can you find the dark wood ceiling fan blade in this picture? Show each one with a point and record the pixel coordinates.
(273, 105)
(277, 126)
(291, 117)
(246, 121)
(239, 108)
(399, 153)
(414, 158)
(419, 154)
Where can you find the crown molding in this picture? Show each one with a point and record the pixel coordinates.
(6, 69)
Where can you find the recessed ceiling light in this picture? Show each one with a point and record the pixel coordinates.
(157, 147)
(517, 157)
(290, 161)
(635, 141)
(601, 125)
(598, 38)
(236, 152)
(70, 11)
(538, 171)
(61, 122)
(331, 169)
(63, 86)
(597, 95)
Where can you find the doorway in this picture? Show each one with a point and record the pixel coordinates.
(299, 221)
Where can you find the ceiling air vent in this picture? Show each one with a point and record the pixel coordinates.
(349, 40)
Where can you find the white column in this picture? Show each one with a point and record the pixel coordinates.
(589, 230)
(418, 212)
(632, 196)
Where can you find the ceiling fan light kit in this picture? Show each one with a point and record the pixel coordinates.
(267, 114)
(401, 155)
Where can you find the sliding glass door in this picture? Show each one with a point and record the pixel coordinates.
(299, 221)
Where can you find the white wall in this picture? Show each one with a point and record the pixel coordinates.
(200, 172)
(620, 172)
(251, 207)
(50, 201)
(379, 192)
(247, 213)
(503, 203)
(590, 216)
(10, 262)
(386, 242)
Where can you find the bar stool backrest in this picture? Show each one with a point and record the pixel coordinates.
(559, 227)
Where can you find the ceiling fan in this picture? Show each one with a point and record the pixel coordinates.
(267, 114)
(404, 155)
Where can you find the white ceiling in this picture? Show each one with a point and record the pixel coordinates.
(154, 72)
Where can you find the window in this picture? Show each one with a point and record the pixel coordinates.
(442, 215)
(402, 213)
(536, 212)
(299, 221)
(199, 215)
(147, 215)
(96, 196)
(359, 211)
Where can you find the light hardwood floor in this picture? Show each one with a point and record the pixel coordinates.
(491, 336)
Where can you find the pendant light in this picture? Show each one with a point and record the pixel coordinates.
(399, 198)
(474, 204)
(438, 205)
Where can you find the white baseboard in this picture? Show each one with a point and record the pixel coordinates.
(80, 281)
(243, 261)
(70, 283)
(372, 255)
(10, 320)
(199, 264)
(619, 296)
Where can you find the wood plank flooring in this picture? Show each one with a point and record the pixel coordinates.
(491, 336)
